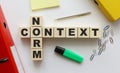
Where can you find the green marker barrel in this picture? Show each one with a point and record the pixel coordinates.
(69, 54)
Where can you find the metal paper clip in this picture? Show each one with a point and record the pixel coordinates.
(99, 42)
(105, 34)
(111, 40)
(100, 51)
(106, 27)
(104, 47)
(92, 57)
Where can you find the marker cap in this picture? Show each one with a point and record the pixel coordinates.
(59, 50)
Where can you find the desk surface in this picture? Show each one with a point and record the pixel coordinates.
(18, 13)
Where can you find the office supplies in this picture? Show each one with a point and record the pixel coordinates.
(106, 27)
(111, 40)
(92, 57)
(36, 33)
(106, 31)
(43, 4)
(100, 51)
(99, 42)
(75, 15)
(104, 47)
(110, 8)
(3, 60)
(104, 34)
(9, 58)
(102, 42)
(68, 54)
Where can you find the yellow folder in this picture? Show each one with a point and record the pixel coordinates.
(111, 8)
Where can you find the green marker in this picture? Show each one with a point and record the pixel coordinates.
(69, 54)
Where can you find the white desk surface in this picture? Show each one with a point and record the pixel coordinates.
(18, 13)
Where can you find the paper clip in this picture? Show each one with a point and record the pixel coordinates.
(105, 34)
(99, 42)
(100, 51)
(106, 27)
(111, 40)
(92, 57)
(104, 47)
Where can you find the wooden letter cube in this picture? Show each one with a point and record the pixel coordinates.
(36, 54)
(59, 32)
(36, 21)
(36, 43)
(36, 32)
(83, 32)
(48, 32)
(24, 32)
(95, 32)
(71, 32)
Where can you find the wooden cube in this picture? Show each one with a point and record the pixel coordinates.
(59, 32)
(36, 43)
(83, 32)
(95, 32)
(36, 32)
(71, 32)
(48, 32)
(36, 20)
(24, 32)
(36, 54)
